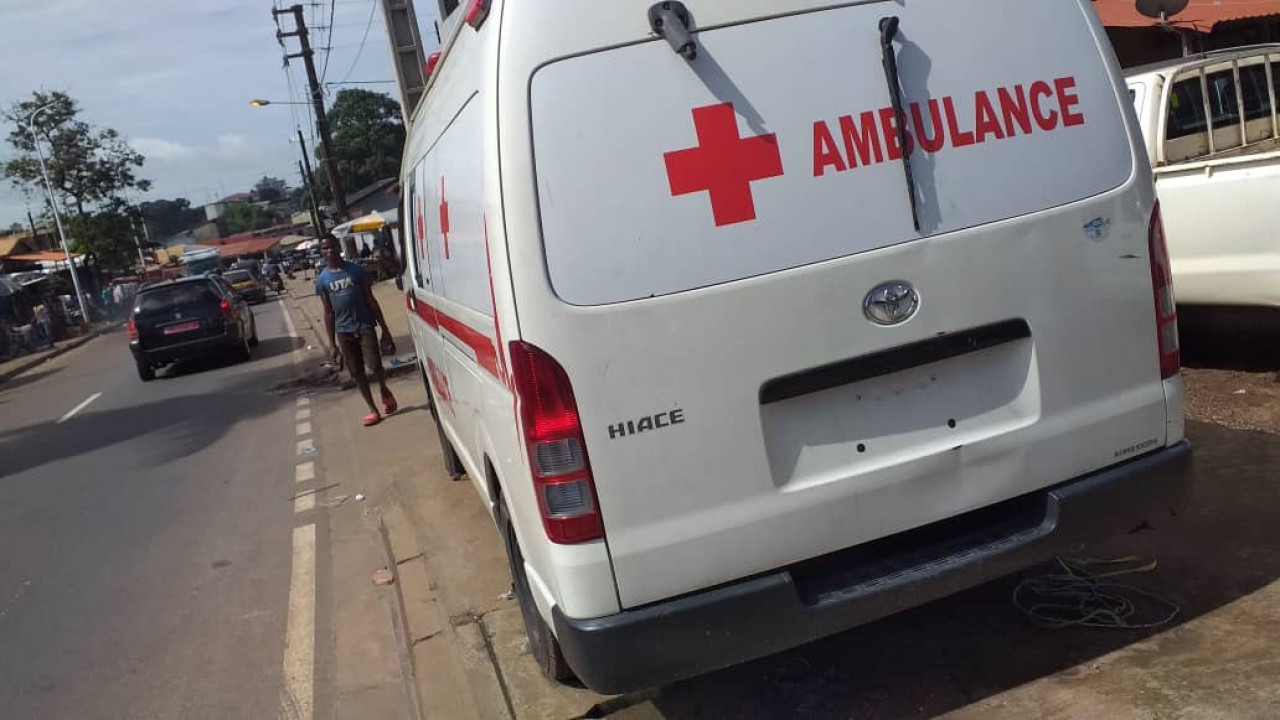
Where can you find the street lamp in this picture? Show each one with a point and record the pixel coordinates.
(53, 205)
(263, 103)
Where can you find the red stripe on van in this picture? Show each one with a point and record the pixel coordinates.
(482, 345)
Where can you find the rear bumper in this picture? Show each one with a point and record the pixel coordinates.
(695, 634)
(218, 344)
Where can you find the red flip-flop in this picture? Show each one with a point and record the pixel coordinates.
(372, 418)
(389, 405)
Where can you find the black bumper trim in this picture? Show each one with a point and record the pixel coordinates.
(695, 634)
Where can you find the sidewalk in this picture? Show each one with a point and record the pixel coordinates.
(10, 368)
(466, 638)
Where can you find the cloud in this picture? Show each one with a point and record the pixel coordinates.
(229, 147)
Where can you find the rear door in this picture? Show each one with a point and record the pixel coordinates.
(711, 228)
(178, 313)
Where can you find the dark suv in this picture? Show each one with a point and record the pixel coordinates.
(186, 318)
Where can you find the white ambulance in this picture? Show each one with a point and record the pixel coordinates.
(733, 370)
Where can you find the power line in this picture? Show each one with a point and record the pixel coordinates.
(363, 39)
(328, 43)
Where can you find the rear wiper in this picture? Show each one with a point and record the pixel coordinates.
(889, 30)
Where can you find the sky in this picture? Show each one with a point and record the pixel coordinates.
(175, 78)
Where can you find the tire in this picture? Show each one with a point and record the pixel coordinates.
(452, 463)
(542, 642)
(146, 373)
(253, 339)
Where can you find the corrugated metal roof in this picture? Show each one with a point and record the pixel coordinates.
(251, 246)
(1200, 15)
(47, 256)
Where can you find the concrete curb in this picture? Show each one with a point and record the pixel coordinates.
(47, 355)
(400, 624)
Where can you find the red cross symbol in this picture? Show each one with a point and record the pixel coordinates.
(444, 219)
(422, 245)
(723, 164)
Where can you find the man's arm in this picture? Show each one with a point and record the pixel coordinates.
(375, 308)
(328, 322)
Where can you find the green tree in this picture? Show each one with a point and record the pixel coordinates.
(246, 217)
(91, 171)
(169, 217)
(368, 138)
(270, 189)
(15, 228)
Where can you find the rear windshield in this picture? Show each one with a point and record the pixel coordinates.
(173, 295)
(237, 276)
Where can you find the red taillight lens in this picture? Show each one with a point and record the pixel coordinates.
(132, 328)
(228, 313)
(557, 451)
(477, 11)
(1162, 287)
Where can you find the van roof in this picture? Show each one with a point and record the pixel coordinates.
(1204, 58)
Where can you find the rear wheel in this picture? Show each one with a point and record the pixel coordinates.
(452, 463)
(542, 643)
(146, 373)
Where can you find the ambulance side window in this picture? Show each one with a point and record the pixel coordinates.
(409, 229)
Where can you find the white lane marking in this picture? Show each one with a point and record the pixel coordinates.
(304, 503)
(297, 698)
(71, 413)
(304, 401)
(304, 472)
(288, 321)
(306, 447)
(303, 414)
(304, 428)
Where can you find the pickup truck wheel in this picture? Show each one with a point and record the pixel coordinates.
(146, 373)
(542, 643)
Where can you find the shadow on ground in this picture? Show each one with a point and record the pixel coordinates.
(957, 651)
(27, 378)
(265, 350)
(173, 427)
(1243, 339)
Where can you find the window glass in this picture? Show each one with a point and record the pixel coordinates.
(237, 276)
(1222, 98)
(1253, 83)
(188, 293)
(1186, 110)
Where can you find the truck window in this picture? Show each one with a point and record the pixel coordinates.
(1186, 133)
(1257, 102)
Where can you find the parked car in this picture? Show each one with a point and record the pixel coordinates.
(751, 332)
(188, 318)
(247, 285)
(1217, 170)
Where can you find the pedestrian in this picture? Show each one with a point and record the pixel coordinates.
(350, 312)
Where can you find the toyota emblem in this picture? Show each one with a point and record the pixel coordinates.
(891, 303)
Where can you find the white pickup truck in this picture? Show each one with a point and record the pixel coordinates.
(1213, 135)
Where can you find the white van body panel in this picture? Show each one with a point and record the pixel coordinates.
(556, 195)
(717, 498)
(460, 301)
(1221, 218)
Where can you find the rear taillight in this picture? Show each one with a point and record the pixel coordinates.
(477, 11)
(228, 313)
(132, 328)
(557, 451)
(1162, 287)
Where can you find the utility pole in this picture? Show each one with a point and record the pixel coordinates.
(317, 102)
(317, 219)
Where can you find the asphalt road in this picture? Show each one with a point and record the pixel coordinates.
(146, 540)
